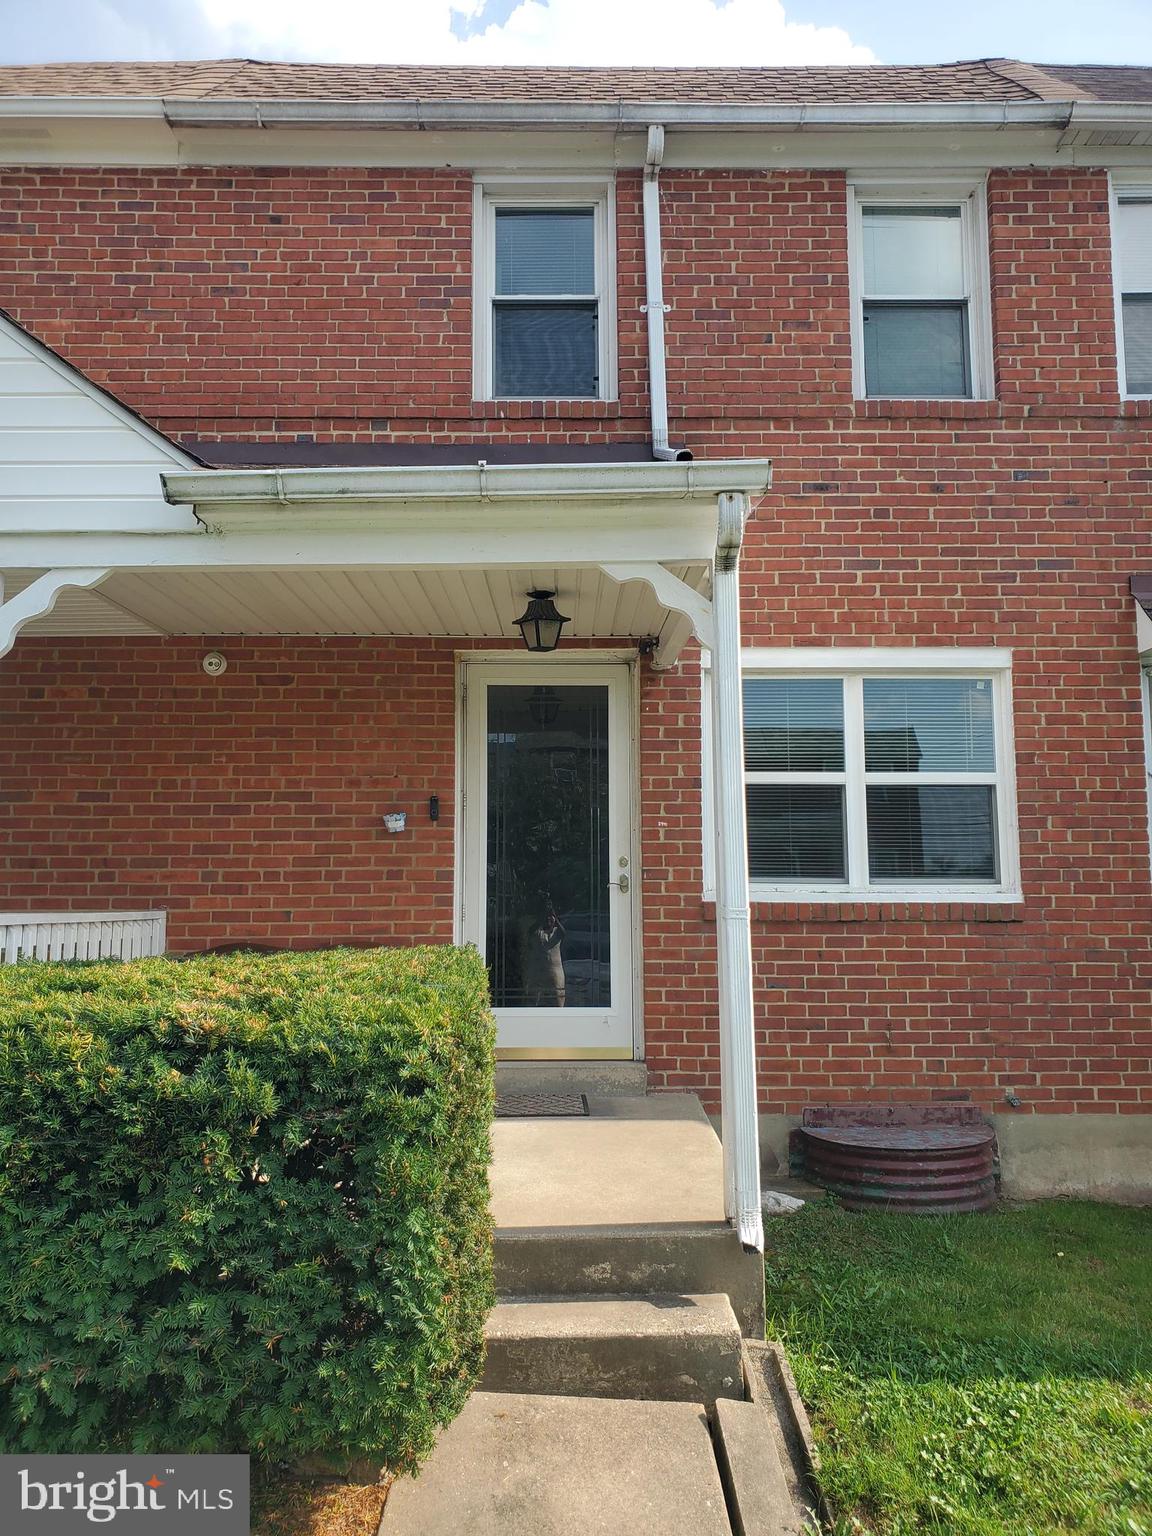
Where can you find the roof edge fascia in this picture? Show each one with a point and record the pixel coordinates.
(470, 482)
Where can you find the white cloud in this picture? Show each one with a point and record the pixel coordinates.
(605, 32)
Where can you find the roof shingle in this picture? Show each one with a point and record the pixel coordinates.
(253, 79)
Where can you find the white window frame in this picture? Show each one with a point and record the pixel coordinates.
(493, 192)
(969, 194)
(854, 665)
(1119, 191)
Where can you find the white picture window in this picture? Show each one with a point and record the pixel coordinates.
(879, 774)
(544, 317)
(1133, 263)
(921, 315)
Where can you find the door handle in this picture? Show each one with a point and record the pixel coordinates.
(622, 885)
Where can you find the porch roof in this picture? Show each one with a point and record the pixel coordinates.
(431, 601)
(405, 550)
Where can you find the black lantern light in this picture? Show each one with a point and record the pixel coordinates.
(540, 624)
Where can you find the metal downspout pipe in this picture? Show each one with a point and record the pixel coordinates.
(740, 1131)
(654, 299)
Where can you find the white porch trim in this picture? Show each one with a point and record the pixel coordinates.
(39, 598)
(739, 1122)
(678, 597)
(1143, 633)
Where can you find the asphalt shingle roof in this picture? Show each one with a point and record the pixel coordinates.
(253, 79)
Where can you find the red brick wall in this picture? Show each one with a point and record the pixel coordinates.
(329, 304)
(248, 805)
(1013, 523)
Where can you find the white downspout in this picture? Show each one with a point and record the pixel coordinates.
(739, 1114)
(654, 299)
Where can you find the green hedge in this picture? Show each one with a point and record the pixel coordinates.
(244, 1202)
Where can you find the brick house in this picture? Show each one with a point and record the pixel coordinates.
(827, 390)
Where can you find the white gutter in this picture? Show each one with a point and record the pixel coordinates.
(614, 115)
(469, 482)
(182, 112)
(739, 1110)
(654, 300)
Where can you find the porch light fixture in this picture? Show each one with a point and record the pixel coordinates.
(540, 624)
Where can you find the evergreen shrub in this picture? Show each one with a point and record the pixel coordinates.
(244, 1202)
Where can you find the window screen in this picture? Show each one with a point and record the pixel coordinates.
(1134, 259)
(793, 725)
(545, 312)
(928, 725)
(915, 301)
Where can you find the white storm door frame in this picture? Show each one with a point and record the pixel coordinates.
(610, 1033)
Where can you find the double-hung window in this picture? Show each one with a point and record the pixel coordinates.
(921, 316)
(542, 295)
(879, 774)
(1133, 261)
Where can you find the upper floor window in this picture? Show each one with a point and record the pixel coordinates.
(921, 316)
(544, 321)
(879, 774)
(1134, 284)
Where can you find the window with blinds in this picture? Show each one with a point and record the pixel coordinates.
(542, 287)
(870, 782)
(1134, 278)
(922, 315)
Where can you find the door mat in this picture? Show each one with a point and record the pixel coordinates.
(534, 1106)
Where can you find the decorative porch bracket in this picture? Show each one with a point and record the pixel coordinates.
(39, 598)
(740, 1131)
(679, 598)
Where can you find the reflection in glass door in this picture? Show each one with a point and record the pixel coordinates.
(548, 849)
(548, 940)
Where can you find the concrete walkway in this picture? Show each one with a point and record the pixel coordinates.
(630, 1162)
(565, 1466)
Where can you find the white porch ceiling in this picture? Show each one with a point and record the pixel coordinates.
(466, 603)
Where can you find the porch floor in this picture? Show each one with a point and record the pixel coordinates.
(653, 1161)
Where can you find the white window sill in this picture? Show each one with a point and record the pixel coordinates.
(878, 896)
(883, 894)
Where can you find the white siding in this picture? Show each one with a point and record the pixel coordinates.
(71, 458)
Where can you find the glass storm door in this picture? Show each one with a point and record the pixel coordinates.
(548, 854)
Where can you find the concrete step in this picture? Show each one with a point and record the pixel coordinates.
(670, 1348)
(598, 1079)
(760, 1502)
(514, 1465)
(644, 1259)
(628, 1201)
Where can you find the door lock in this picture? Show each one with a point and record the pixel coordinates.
(622, 885)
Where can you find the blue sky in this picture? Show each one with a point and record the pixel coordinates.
(714, 32)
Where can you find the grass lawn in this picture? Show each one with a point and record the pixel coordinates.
(977, 1375)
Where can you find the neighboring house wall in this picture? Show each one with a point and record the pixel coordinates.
(337, 304)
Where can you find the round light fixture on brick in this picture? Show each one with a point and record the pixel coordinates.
(213, 663)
